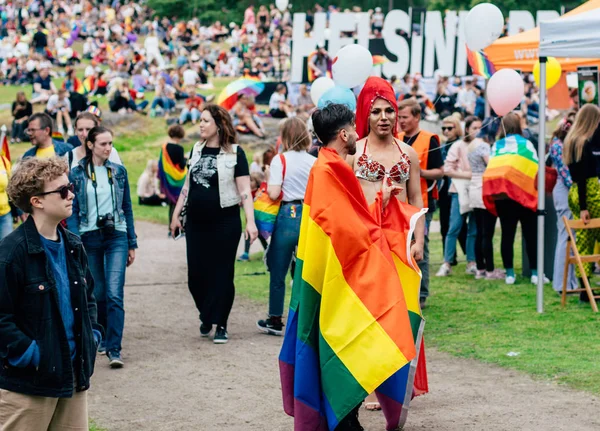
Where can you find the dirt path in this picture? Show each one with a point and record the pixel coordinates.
(174, 380)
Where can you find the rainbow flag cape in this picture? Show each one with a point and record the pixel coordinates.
(354, 320)
(171, 176)
(511, 173)
(480, 64)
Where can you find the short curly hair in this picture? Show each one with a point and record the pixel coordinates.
(29, 179)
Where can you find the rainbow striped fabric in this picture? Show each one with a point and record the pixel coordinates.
(511, 173)
(480, 64)
(171, 176)
(265, 212)
(354, 320)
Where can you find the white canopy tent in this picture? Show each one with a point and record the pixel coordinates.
(573, 36)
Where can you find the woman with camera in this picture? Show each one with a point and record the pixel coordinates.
(218, 181)
(103, 217)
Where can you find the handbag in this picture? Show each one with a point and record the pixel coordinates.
(266, 209)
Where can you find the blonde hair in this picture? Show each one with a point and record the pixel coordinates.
(456, 123)
(29, 179)
(583, 128)
(294, 135)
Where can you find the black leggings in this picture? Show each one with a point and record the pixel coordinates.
(510, 214)
(484, 242)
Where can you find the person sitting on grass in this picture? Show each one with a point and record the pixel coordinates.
(148, 186)
(43, 87)
(21, 111)
(59, 108)
(242, 115)
(279, 107)
(164, 97)
(193, 105)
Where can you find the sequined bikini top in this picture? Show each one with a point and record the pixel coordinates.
(372, 170)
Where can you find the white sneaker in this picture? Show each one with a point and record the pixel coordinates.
(471, 268)
(510, 279)
(444, 271)
(534, 280)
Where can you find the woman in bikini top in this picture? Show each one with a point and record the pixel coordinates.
(373, 171)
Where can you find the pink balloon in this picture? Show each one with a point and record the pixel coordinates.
(505, 90)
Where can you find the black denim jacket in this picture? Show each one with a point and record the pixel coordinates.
(29, 310)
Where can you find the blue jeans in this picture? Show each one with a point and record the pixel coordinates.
(187, 115)
(6, 225)
(456, 221)
(561, 205)
(164, 102)
(107, 257)
(279, 255)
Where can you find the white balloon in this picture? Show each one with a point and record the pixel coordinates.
(281, 4)
(352, 66)
(484, 24)
(320, 86)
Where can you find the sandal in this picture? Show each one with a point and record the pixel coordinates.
(372, 406)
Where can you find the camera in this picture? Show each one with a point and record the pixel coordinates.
(106, 223)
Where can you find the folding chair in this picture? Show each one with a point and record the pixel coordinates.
(578, 259)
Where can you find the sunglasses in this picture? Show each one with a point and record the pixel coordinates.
(63, 191)
(447, 128)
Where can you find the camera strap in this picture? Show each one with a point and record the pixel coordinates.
(95, 185)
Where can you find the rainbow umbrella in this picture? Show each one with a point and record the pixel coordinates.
(247, 86)
(380, 59)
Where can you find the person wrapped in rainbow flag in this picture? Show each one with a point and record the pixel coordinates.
(172, 168)
(354, 324)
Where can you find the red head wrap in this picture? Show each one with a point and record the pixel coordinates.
(374, 88)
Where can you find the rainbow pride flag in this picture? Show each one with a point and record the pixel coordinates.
(265, 212)
(171, 176)
(480, 64)
(354, 320)
(511, 173)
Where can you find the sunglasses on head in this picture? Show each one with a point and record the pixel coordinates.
(63, 191)
(444, 128)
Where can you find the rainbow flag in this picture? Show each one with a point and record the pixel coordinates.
(265, 212)
(171, 176)
(511, 173)
(354, 320)
(480, 64)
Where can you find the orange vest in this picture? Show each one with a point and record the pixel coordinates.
(421, 146)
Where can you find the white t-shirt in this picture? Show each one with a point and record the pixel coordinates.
(190, 77)
(297, 168)
(275, 99)
(54, 104)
